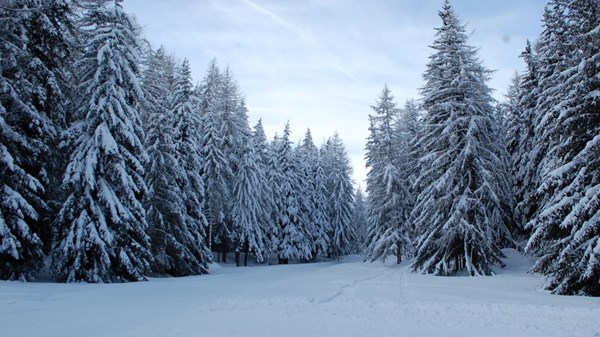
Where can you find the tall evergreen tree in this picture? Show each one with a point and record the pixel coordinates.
(101, 226)
(34, 51)
(463, 185)
(259, 139)
(264, 153)
(543, 97)
(388, 186)
(250, 199)
(163, 200)
(523, 139)
(359, 216)
(291, 240)
(176, 221)
(188, 128)
(566, 229)
(236, 135)
(314, 196)
(340, 193)
(216, 169)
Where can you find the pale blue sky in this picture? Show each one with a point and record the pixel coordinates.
(322, 63)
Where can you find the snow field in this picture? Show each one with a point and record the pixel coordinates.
(349, 298)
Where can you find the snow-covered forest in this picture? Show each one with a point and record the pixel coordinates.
(116, 166)
(455, 178)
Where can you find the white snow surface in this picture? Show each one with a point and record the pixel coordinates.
(346, 298)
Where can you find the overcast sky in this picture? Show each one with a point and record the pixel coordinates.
(321, 64)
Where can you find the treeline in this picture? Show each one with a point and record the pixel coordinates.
(455, 179)
(115, 165)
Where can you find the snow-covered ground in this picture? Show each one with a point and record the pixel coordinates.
(349, 298)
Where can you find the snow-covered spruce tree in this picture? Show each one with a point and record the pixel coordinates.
(164, 198)
(259, 139)
(566, 229)
(175, 219)
(35, 47)
(216, 169)
(340, 194)
(314, 205)
(291, 241)
(163, 201)
(274, 176)
(390, 201)
(409, 126)
(101, 226)
(52, 43)
(236, 134)
(158, 82)
(235, 119)
(549, 60)
(514, 128)
(522, 139)
(269, 225)
(186, 110)
(359, 216)
(459, 215)
(250, 200)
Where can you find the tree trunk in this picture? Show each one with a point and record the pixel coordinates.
(224, 249)
(246, 248)
(456, 263)
(210, 237)
(237, 253)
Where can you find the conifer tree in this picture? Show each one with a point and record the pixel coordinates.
(340, 195)
(265, 164)
(236, 134)
(102, 223)
(34, 54)
(549, 60)
(523, 138)
(389, 187)
(216, 169)
(175, 218)
(249, 204)
(463, 185)
(359, 215)
(291, 239)
(314, 196)
(188, 128)
(566, 228)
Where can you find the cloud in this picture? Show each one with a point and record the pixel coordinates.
(279, 20)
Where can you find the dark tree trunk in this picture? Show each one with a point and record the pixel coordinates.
(237, 246)
(224, 249)
(246, 248)
(456, 263)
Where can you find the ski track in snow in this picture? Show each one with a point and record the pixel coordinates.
(322, 299)
(348, 286)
